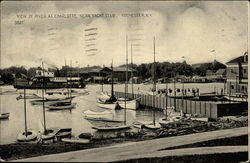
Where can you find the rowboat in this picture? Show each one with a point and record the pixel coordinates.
(48, 101)
(163, 122)
(89, 114)
(63, 133)
(4, 115)
(75, 140)
(31, 96)
(124, 127)
(61, 106)
(30, 136)
(152, 126)
(104, 118)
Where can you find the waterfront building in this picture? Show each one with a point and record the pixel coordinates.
(237, 75)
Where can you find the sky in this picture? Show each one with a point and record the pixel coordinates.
(198, 31)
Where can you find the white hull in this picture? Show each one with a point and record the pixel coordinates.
(75, 141)
(97, 115)
(153, 126)
(133, 104)
(163, 122)
(112, 106)
(31, 136)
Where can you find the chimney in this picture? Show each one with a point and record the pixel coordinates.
(245, 58)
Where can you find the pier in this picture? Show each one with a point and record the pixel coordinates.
(210, 109)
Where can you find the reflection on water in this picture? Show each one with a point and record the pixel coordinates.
(69, 118)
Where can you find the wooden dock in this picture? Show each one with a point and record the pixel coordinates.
(204, 108)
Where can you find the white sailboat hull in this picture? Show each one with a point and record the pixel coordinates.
(133, 104)
(31, 136)
(97, 115)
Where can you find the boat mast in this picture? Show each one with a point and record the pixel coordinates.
(44, 122)
(66, 77)
(132, 73)
(154, 84)
(166, 92)
(126, 84)
(112, 81)
(25, 118)
(70, 76)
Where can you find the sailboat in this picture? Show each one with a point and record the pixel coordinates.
(27, 134)
(154, 125)
(118, 126)
(134, 103)
(166, 120)
(111, 102)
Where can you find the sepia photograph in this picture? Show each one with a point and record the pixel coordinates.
(124, 81)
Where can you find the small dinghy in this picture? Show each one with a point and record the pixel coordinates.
(63, 133)
(30, 135)
(48, 101)
(75, 140)
(123, 127)
(89, 114)
(4, 115)
(61, 106)
(152, 126)
(31, 96)
(163, 122)
(49, 134)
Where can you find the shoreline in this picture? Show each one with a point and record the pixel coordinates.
(15, 151)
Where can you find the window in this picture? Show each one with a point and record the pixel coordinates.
(245, 70)
(242, 88)
(232, 86)
(232, 70)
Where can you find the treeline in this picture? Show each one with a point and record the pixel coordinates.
(144, 71)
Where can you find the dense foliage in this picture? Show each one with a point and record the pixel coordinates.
(144, 71)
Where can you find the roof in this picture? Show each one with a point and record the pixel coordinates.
(239, 59)
(122, 69)
(220, 71)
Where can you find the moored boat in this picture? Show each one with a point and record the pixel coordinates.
(130, 104)
(123, 127)
(30, 96)
(75, 140)
(163, 122)
(29, 135)
(48, 101)
(63, 133)
(61, 106)
(89, 114)
(4, 115)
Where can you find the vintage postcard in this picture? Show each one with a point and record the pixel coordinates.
(124, 81)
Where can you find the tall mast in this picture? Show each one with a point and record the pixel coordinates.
(25, 118)
(70, 76)
(112, 81)
(154, 84)
(166, 92)
(132, 72)
(44, 122)
(126, 80)
(66, 77)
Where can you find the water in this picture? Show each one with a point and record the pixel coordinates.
(73, 118)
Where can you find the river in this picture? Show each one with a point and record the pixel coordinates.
(73, 118)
